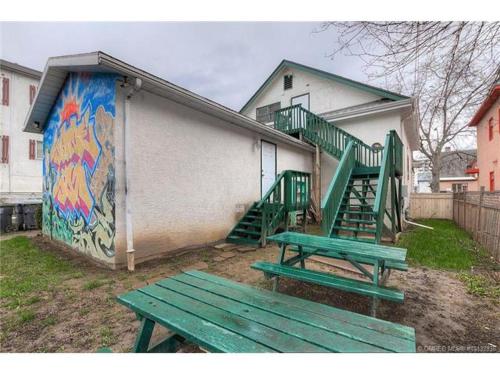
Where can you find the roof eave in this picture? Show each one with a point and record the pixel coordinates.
(485, 105)
(103, 62)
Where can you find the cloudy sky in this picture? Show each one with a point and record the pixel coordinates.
(225, 62)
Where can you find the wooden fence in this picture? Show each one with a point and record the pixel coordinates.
(431, 206)
(478, 212)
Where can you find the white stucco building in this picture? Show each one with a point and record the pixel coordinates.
(364, 111)
(135, 163)
(21, 161)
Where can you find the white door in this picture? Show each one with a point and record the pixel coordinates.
(268, 165)
(303, 100)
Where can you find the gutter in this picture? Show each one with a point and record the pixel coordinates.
(128, 200)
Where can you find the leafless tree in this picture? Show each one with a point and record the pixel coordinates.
(447, 66)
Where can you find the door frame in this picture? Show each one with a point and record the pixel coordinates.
(308, 99)
(275, 163)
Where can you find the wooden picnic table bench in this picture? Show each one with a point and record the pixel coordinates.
(382, 258)
(220, 315)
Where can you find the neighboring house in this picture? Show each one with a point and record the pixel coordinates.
(487, 122)
(455, 173)
(364, 111)
(21, 161)
(454, 167)
(136, 165)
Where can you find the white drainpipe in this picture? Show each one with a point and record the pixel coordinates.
(128, 201)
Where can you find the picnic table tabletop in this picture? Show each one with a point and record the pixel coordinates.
(225, 316)
(341, 246)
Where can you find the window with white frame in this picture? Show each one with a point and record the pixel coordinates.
(39, 150)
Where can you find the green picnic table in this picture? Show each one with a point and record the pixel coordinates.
(220, 315)
(359, 254)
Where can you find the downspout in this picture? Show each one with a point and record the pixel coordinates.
(126, 156)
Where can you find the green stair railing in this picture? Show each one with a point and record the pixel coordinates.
(397, 153)
(317, 130)
(333, 198)
(290, 192)
(392, 166)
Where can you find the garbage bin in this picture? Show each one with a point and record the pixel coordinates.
(29, 211)
(18, 217)
(6, 219)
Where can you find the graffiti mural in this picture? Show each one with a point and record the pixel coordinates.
(78, 169)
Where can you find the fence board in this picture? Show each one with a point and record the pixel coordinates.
(431, 205)
(479, 214)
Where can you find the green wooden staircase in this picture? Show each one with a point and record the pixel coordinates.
(355, 205)
(290, 192)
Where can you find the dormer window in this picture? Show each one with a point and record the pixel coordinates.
(288, 81)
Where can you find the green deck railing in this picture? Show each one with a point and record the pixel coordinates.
(333, 197)
(290, 192)
(317, 130)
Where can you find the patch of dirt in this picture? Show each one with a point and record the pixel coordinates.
(71, 318)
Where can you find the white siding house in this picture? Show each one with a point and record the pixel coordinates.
(21, 162)
(364, 111)
(136, 165)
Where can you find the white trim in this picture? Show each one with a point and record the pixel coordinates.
(458, 179)
(389, 106)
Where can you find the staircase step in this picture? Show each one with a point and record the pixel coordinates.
(357, 212)
(366, 171)
(253, 216)
(354, 229)
(355, 205)
(359, 221)
(246, 231)
(242, 240)
(358, 198)
(256, 224)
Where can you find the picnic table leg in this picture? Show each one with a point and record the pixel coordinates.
(301, 254)
(376, 267)
(144, 335)
(281, 260)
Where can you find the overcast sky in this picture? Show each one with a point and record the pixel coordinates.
(225, 62)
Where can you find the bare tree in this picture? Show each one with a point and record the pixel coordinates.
(447, 66)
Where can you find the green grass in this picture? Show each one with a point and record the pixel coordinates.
(446, 247)
(94, 284)
(26, 316)
(26, 270)
(107, 338)
(480, 285)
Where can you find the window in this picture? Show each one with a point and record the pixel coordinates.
(5, 149)
(35, 149)
(5, 91)
(492, 181)
(287, 81)
(39, 150)
(32, 93)
(266, 113)
(459, 188)
(490, 128)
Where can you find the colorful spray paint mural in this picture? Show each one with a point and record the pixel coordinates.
(79, 172)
